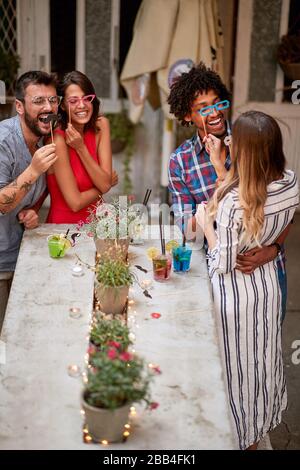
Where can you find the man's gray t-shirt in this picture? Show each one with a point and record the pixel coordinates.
(14, 159)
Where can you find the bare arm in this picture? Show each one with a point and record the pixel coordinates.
(13, 193)
(66, 180)
(100, 174)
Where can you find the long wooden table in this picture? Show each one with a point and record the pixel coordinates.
(40, 401)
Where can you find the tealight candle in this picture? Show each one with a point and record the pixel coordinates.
(77, 271)
(74, 370)
(75, 312)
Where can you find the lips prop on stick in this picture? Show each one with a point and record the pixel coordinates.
(52, 118)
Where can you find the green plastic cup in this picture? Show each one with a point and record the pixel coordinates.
(57, 246)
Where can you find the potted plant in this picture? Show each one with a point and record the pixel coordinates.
(109, 225)
(122, 139)
(115, 380)
(112, 282)
(289, 55)
(107, 333)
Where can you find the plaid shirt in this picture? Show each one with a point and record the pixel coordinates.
(192, 177)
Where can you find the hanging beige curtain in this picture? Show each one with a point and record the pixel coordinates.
(165, 32)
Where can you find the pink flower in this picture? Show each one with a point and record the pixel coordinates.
(131, 197)
(153, 405)
(92, 350)
(125, 356)
(112, 353)
(114, 344)
(156, 369)
(90, 234)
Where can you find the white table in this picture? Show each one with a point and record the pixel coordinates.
(40, 402)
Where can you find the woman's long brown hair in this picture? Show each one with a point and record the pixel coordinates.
(257, 160)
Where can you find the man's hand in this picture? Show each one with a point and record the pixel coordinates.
(250, 260)
(29, 218)
(43, 159)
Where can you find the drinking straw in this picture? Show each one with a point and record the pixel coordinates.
(147, 196)
(162, 237)
(67, 233)
(182, 229)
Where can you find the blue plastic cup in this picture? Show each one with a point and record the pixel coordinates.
(181, 259)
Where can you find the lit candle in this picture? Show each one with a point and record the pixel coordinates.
(75, 312)
(74, 370)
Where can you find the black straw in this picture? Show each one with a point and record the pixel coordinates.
(162, 237)
(183, 231)
(147, 196)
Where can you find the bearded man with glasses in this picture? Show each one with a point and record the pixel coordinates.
(24, 161)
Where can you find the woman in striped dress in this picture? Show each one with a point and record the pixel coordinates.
(252, 207)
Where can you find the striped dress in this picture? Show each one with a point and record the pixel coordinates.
(248, 314)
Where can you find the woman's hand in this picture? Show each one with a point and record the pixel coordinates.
(114, 178)
(74, 139)
(201, 216)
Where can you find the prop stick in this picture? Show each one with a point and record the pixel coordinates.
(51, 130)
(70, 120)
(204, 125)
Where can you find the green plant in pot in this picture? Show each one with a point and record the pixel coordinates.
(122, 137)
(116, 379)
(112, 282)
(107, 333)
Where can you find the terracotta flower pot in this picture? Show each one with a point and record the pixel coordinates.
(112, 299)
(113, 249)
(105, 424)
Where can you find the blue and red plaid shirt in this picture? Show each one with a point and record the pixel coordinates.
(192, 177)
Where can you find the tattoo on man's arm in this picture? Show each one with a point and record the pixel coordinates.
(26, 186)
(7, 201)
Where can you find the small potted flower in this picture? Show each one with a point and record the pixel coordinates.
(109, 225)
(112, 281)
(116, 379)
(109, 333)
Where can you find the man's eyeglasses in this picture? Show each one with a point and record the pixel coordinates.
(75, 100)
(42, 100)
(207, 110)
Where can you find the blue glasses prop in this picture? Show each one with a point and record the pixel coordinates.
(207, 110)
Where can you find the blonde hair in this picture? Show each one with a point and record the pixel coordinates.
(257, 160)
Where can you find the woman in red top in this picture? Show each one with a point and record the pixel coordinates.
(83, 170)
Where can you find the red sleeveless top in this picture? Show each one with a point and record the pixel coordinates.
(60, 212)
